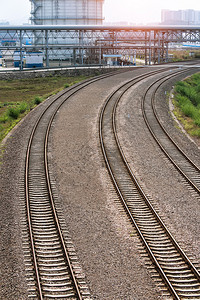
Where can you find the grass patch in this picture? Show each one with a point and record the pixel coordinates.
(18, 97)
(187, 103)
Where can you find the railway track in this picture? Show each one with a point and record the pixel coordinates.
(57, 275)
(189, 170)
(180, 276)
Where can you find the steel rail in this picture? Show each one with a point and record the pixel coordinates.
(119, 191)
(168, 135)
(74, 89)
(182, 152)
(178, 148)
(187, 260)
(49, 184)
(55, 212)
(156, 263)
(157, 140)
(39, 287)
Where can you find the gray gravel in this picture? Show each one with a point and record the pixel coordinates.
(13, 284)
(102, 236)
(106, 244)
(176, 203)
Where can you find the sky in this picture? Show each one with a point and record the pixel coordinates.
(17, 12)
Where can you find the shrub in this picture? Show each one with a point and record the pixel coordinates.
(4, 118)
(37, 100)
(23, 107)
(197, 120)
(198, 88)
(13, 112)
(66, 85)
(181, 100)
(188, 110)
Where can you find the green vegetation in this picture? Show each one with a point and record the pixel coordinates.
(187, 102)
(18, 97)
(66, 85)
(37, 100)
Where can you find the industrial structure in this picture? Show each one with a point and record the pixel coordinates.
(67, 12)
(84, 44)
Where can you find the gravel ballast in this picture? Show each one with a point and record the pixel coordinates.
(177, 204)
(12, 205)
(106, 244)
(101, 233)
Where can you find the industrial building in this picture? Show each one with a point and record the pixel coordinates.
(67, 12)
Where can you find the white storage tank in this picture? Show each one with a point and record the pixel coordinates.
(67, 12)
(34, 59)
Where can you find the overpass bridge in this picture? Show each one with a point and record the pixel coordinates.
(86, 44)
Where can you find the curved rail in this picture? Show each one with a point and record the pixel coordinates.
(185, 165)
(71, 91)
(190, 164)
(132, 197)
